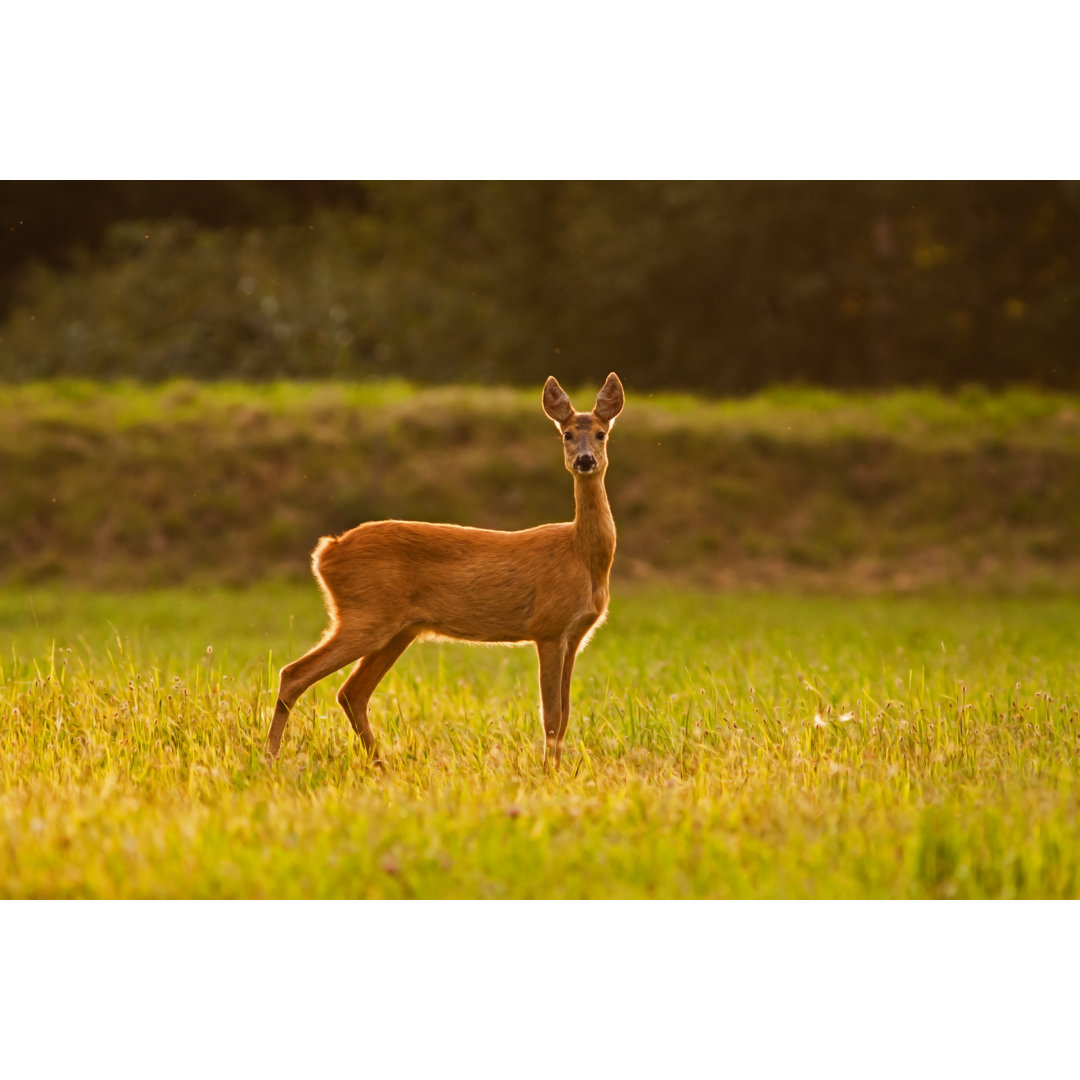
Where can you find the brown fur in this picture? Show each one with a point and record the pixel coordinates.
(387, 583)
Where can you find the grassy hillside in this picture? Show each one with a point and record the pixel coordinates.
(129, 485)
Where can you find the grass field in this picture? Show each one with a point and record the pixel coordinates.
(765, 745)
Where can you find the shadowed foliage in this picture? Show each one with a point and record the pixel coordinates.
(726, 287)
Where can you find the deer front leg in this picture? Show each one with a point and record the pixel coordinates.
(567, 671)
(552, 656)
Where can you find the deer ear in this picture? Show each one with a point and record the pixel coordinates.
(556, 403)
(609, 401)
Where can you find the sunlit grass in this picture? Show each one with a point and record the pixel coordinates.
(720, 746)
(1023, 415)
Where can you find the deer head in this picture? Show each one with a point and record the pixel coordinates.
(584, 435)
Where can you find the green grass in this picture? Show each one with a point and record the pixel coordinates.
(764, 745)
(132, 486)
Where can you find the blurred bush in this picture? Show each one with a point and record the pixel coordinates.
(725, 287)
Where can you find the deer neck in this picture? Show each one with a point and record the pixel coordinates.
(594, 527)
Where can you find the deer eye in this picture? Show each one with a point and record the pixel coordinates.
(568, 435)
(600, 436)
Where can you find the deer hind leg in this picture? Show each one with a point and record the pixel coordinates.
(552, 656)
(332, 653)
(357, 689)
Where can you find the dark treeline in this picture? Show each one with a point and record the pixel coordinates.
(724, 287)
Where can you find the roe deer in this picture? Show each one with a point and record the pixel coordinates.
(387, 583)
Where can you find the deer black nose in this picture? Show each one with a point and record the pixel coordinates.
(585, 463)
